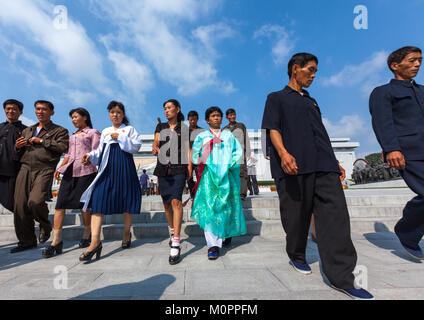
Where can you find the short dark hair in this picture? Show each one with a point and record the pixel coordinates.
(176, 103)
(46, 103)
(301, 59)
(14, 102)
(114, 104)
(211, 110)
(84, 113)
(400, 54)
(193, 114)
(229, 111)
(144, 170)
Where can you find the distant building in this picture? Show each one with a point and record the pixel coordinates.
(343, 149)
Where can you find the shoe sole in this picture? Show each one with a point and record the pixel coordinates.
(350, 296)
(300, 271)
(47, 257)
(174, 262)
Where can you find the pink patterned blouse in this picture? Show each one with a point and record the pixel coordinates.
(79, 145)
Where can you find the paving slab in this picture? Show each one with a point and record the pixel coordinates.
(254, 267)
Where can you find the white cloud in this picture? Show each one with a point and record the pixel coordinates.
(282, 43)
(133, 75)
(347, 127)
(366, 75)
(17, 52)
(227, 87)
(210, 35)
(79, 98)
(27, 121)
(155, 30)
(73, 53)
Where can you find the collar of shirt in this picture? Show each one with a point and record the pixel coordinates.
(289, 90)
(47, 127)
(214, 134)
(15, 123)
(166, 125)
(233, 126)
(122, 126)
(85, 130)
(405, 83)
(192, 129)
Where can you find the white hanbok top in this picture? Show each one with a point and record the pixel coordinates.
(129, 140)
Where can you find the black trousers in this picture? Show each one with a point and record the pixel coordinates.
(243, 180)
(252, 184)
(322, 194)
(7, 191)
(410, 229)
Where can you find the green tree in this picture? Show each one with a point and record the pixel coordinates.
(374, 158)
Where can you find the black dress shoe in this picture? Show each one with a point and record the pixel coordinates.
(84, 243)
(43, 237)
(227, 242)
(126, 244)
(20, 248)
(87, 256)
(175, 259)
(51, 251)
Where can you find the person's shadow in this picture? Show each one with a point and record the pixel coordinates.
(151, 288)
(390, 241)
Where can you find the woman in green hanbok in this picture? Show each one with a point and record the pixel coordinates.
(217, 206)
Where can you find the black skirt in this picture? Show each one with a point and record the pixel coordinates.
(72, 188)
(172, 187)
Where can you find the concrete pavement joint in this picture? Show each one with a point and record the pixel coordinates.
(278, 279)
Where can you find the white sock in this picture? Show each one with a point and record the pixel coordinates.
(175, 243)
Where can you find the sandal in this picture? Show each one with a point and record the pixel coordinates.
(213, 253)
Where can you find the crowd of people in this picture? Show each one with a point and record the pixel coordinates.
(98, 174)
(100, 178)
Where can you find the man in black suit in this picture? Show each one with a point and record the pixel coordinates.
(10, 131)
(308, 175)
(397, 111)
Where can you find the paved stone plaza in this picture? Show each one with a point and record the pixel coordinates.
(255, 267)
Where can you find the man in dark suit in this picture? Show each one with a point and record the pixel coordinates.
(10, 131)
(40, 148)
(397, 111)
(308, 176)
(239, 130)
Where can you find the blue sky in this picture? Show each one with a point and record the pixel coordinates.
(229, 53)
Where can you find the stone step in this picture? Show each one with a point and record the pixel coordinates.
(149, 230)
(262, 202)
(190, 229)
(257, 214)
(386, 200)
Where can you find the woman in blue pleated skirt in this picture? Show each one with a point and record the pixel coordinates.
(116, 189)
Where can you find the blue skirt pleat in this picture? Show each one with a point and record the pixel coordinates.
(118, 189)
